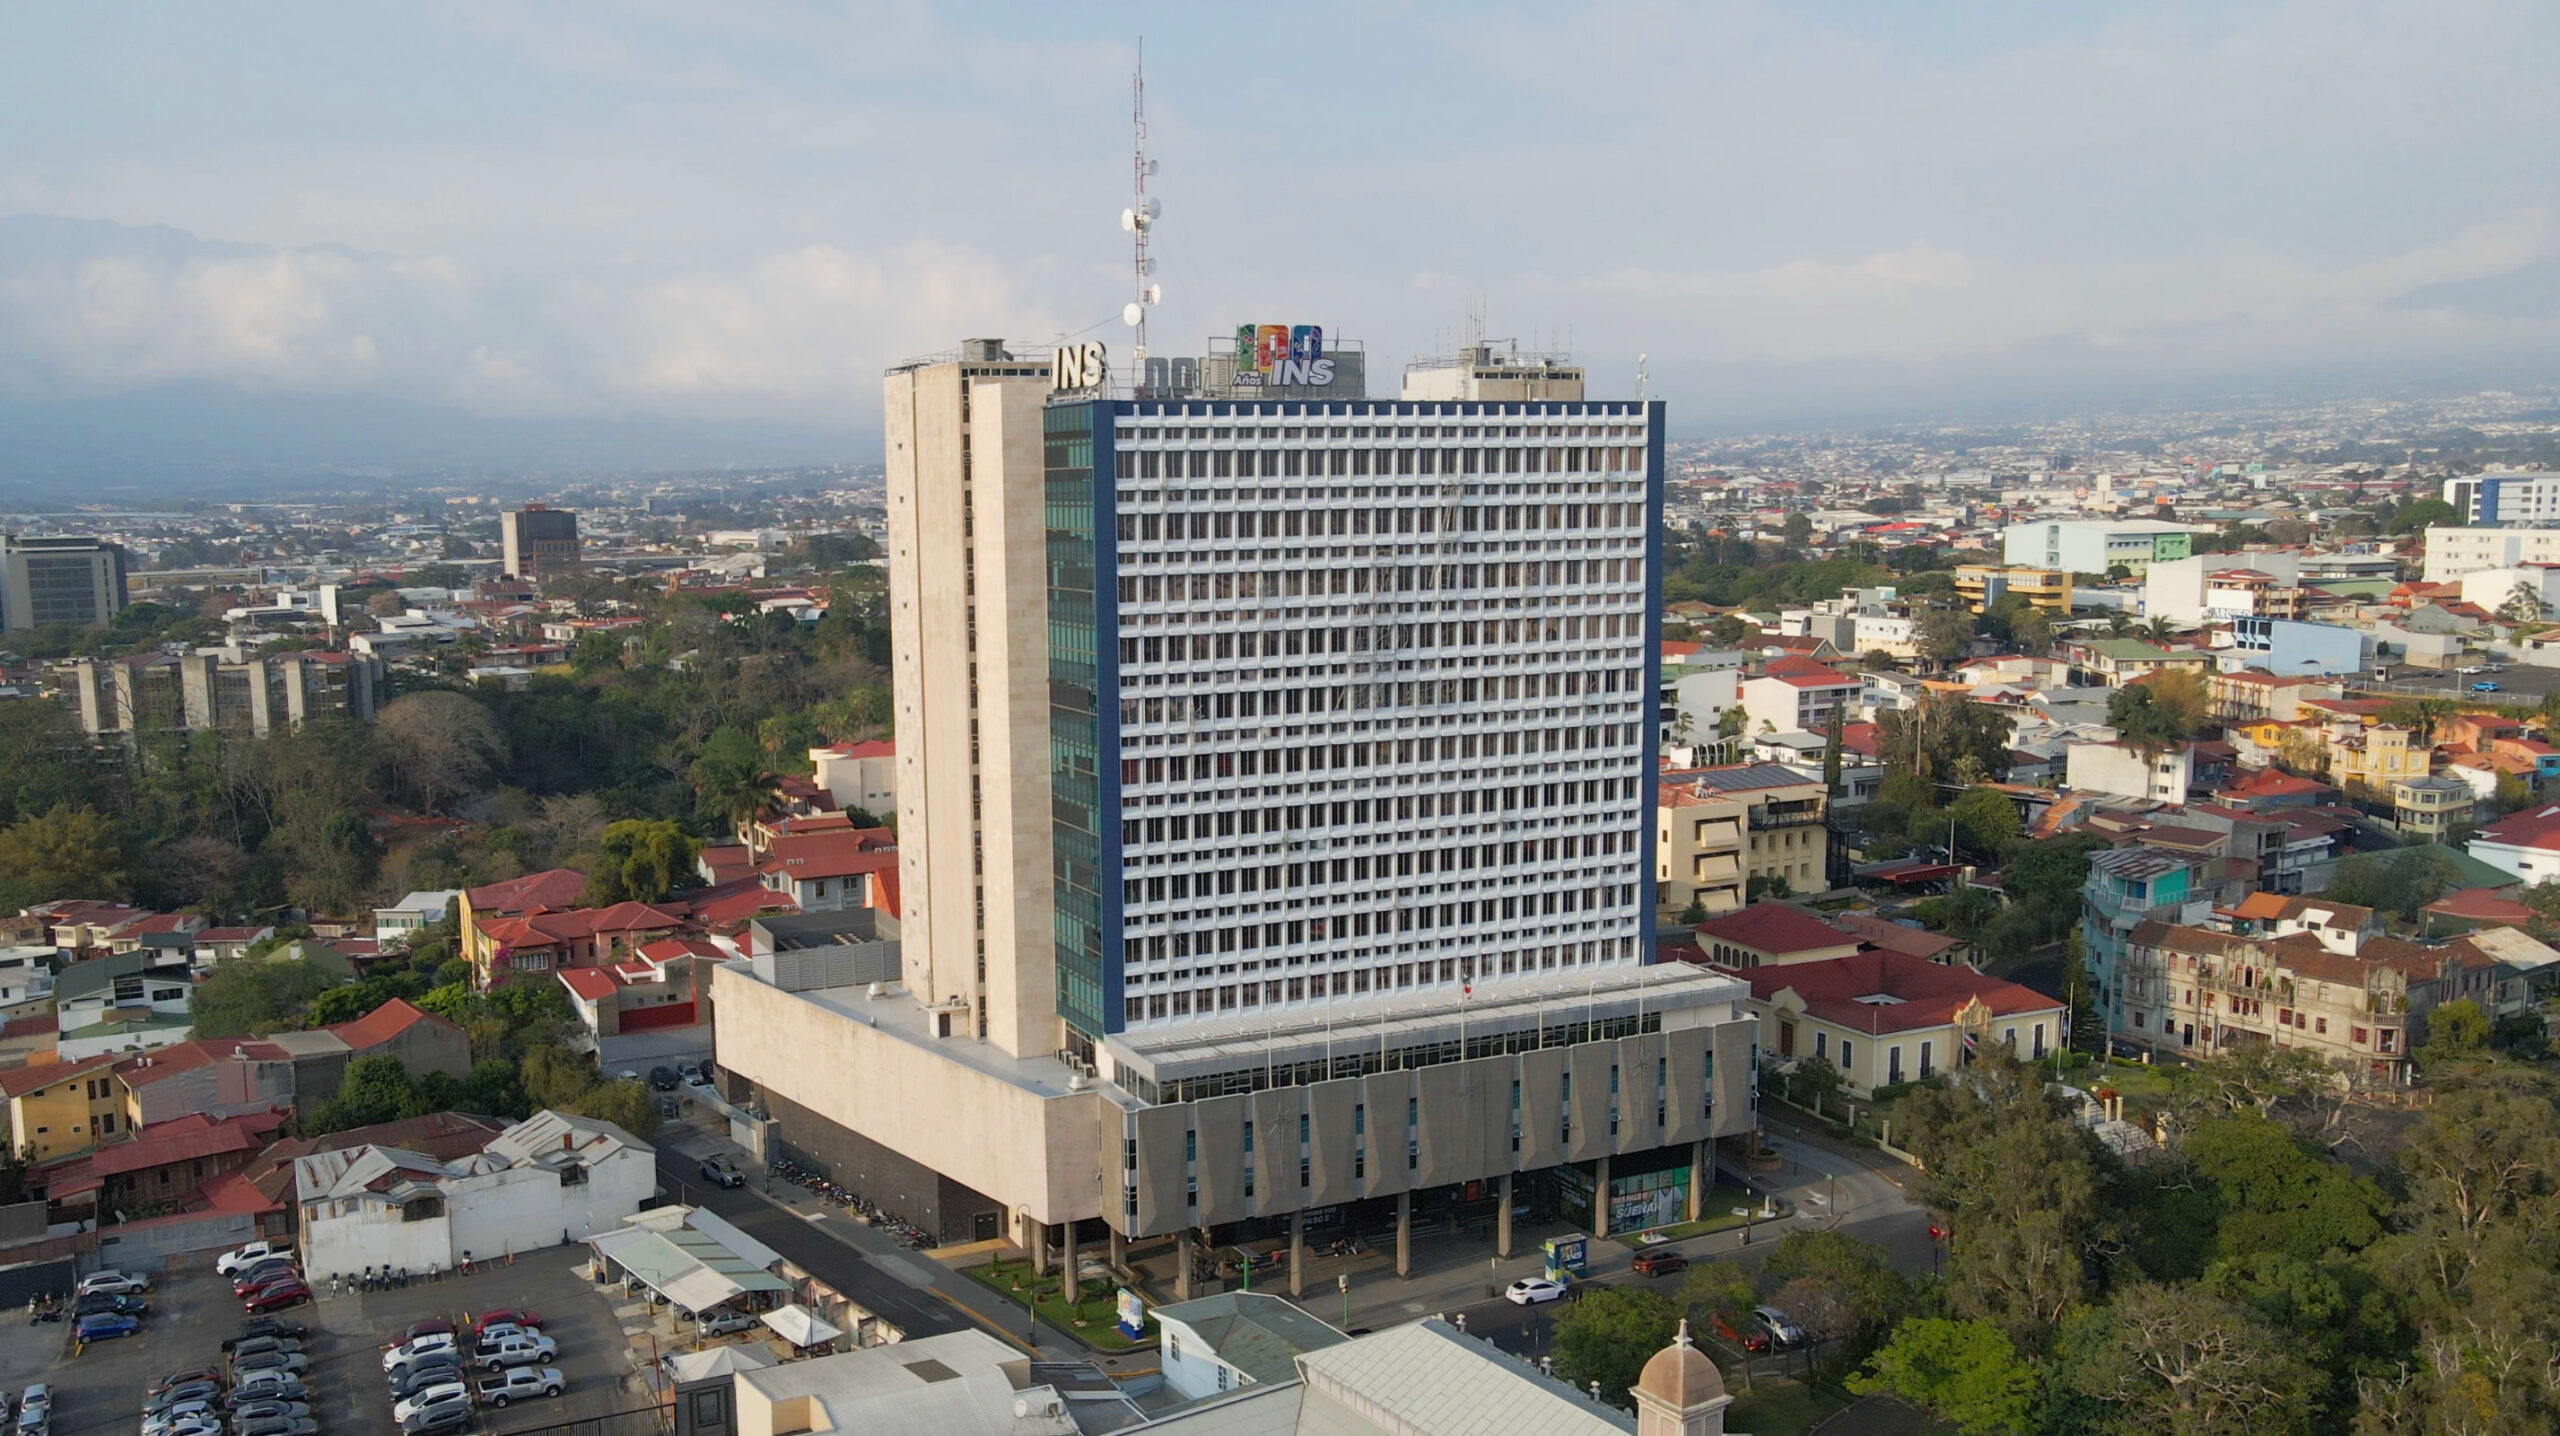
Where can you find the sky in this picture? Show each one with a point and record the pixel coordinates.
(560, 233)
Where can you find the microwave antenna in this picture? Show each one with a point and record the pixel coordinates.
(1139, 219)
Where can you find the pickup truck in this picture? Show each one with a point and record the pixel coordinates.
(521, 1383)
(525, 1349)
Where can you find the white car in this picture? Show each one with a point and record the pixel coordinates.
(1781, 1330)
(114, 1283)
(250, 1255)
(721, 1323)
(525, 1350)
(419, 1399)
(1531, 1290)
(427, 1345)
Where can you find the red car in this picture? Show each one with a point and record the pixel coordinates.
(530, 1320)
(432, 1326)
(1752, 1340)
(276, 1297)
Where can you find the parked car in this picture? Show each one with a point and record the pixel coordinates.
(293, 1363)
(2484, 687)
(431, 1326)
(722, 1322)
(254, 1252)
(200, 1412)
(524, 1349)
(274, 1385)
(430, 1371)
(521, 1383)
(258, 1326)
(425, 1344)
(260, 1346)
(115, 1283)
(277, 1426)
(277, 1297)
(503, 1316)
(35, 1410)
(1659, 1261)
(104, 1301)
(257, 1274)
(426, 1396)
(180, 1395)
(721, 1172)
(1781, 1330)
(1531, 1290)
(268, 1410)
(450, 1409)
(105, 1326)
(1749, 1338)
(187, 1377)
(663, 1079)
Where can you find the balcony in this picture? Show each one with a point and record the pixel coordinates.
(1786, 815)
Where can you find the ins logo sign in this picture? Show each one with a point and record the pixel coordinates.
(1282, 354)
(1077, 366)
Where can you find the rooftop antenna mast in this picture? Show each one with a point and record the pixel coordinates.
(1139, 219)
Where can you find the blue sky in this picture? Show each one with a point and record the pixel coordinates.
(722, 220)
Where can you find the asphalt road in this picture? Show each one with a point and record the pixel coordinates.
(860, 1276)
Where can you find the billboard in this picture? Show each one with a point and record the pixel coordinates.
(1133, 1314)
(1284, 355)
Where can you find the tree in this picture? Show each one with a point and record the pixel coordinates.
(641, 861)
(1797, 530)
(2523, 605)
(2080, 995)
(2144, 722)
(1813, 1084)
(627, 1105)
(1832, 744)
(253, 996)
(2031, 633)
(1861, 1293)
(2421, 716)
(1988, 821)
(2424, 514)
(595, 652)
(2020, 1186)
(2273, 1196)
(2181, 1360)
(441, 745)
(731, 778)
(64, 852)
(1965, 1373)
(1929, 740)
(2456, 1031)
(1730, 631)
(1943, 634)
(374, 1089)
(1610, 1334)
(2401, 882)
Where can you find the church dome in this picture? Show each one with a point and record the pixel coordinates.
(1680, 1375)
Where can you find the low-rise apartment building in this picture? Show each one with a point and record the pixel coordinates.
(216, 688)
(1799, 700)
(1718, 828)
(2366, 761)
(1983, 585)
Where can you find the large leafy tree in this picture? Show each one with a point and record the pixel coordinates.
(2181, 1360)
(66, 851)
(641, 860)
(1610, 1334)
(1965, 1373)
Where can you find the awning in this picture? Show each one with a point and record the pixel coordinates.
(700, 1289)
(718, 1361)
(799, 1325)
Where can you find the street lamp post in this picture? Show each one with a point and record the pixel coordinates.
(1031, 1282)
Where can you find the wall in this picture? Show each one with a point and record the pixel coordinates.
(371, 1235)
(1020, 1147)
(641, 1050)
(526, 1208)
(1191, 1367)
(154, 1244)
(950, 1211)
(2108, 768)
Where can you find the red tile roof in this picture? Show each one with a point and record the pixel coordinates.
(809, 856)
(161, 1063)
(2482, 905)
(1775, 928)
(552, 888)
(594, 984)
(383, 1024)
(18, 1081)
(1923, 993)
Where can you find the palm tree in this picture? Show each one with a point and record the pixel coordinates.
(2158, 630)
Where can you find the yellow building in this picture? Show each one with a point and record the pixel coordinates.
(61, 1109)
(1719, 828)
(1981, 585)
(2370, 760)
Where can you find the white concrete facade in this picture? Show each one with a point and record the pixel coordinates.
(2453, 552)
(2120, 770)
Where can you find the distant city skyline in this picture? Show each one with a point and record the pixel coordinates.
(500, 236)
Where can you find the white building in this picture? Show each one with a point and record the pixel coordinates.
(2184, 591)
(858, 775)
(2453, 552)
(2505, 498)
(2096, 545)
(1702, 697)
(2119, 769)
(2494, 588)
(411, 913)
(1235, 1339)
(549, 1178)
(26, 975)
(1798, 702)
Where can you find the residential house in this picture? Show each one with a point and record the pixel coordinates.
(1216, 1344)
(207, 1076)
(1698, 841)
(2337, 926)
(2524, 843)
(123, 1002)
(2118, 661)
(263, 1187)
(822, 872)
(422, 1041)
(2431, 808)
(2366, 761)
(1771, 934)
(153, 1170)
(551, 890)
(860, 776)
(2130, 886)
(542, 941)
(2288, 646)
(26, 978)
(549, 1178)
(649, 1006)
(60, 1108)
(1799, 700)
(1885, 1017)
(82, 928)
(214, 945)
(417, 910)
(1983, 585)
(2244, 694)
(2130, 772)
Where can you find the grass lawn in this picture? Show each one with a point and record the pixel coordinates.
(1776, 1406)
(1719, 1205)
(1101, 1328)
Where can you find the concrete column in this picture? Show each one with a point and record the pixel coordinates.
(1119, 1250)
(1035, 1235)
(1075, 1281)
(1600, 1199)
(1298, 1252)
(1701, 1176)
(1502, 1215)
(1404, 1233)
(1183, 1254)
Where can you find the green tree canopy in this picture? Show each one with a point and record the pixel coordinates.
(67, 851)
(1610, 1334)
(1965, 1373)
(1988, 821)
(641, 860)
(253, 996)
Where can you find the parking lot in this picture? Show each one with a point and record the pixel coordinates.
(101, 1388)
(2517, 683)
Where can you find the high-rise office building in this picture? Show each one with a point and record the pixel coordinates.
(1276, 807)
(59, 580)
(539, 540)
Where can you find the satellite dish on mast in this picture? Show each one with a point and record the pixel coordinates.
(1133, 314)
(1155, 294)
(1129, 220)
